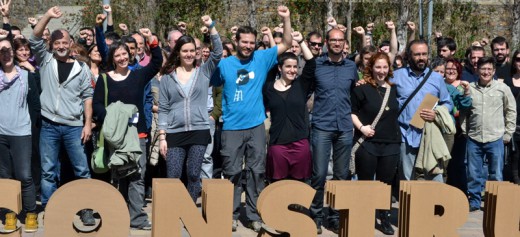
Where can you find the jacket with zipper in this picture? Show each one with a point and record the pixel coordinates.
(61, 103)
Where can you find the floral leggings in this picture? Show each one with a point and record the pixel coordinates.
(193, 156)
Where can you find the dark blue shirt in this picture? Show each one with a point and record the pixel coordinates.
(333, 84)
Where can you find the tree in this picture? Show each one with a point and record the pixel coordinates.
(515, 26)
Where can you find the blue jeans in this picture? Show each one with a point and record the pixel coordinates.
(52, 135)
(478, 154)
(322, 141)
(207, 161)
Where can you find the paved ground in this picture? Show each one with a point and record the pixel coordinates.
(472, 228)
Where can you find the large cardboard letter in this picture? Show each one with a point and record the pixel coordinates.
(432, 209)
(273, 206)
(171, 203)
(82, 194)
(357, 202)
(11, 198)
(501, 210)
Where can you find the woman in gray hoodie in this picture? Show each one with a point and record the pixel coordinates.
(183, 116)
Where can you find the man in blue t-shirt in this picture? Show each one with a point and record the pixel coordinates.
(243, 113)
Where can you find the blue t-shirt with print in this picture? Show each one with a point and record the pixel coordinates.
(242, 101)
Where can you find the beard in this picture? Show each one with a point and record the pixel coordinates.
(64, 53)
(419, 65)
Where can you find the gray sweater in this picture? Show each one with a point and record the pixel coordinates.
(180, 112)
(61, 103)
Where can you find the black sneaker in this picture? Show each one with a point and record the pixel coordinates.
(334, 226)
(87, 217)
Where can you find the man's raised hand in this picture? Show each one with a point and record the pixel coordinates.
(54, 12)
(283, 11)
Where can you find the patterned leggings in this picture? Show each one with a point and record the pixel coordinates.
(175, 158)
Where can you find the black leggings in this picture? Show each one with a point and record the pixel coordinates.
(383, 167)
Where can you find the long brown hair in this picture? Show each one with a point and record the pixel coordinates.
(367, 74)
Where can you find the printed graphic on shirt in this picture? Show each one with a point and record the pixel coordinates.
(243, 77)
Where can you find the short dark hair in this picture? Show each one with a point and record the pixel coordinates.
(446, 41)
(474, 48)
(15, 28)
(367, 49)
(128, 40)
(87, 28)
(111, 35)
(286, 55)
(499, 40)
(384, 43)
(313, 33)
(437, 61)
(412, 43)
(113, 47)
(245, 30)
(277, 35)
(486, 60)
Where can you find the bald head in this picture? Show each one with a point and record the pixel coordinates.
(173, 36)
(60, 43)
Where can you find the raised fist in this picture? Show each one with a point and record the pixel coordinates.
(297, 36)
(390, 25)
(265, 30)
(359, 30)
(283, 11)
(234, 30)
(32, 20)
(146, 33)
(204, 30)
(123, 27)
(3, 33)
(107, 8)
(54, 12)
(332, 22)
(411, 26)
(206, 20)
(100, 18)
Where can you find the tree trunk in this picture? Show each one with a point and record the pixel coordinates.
(348, 22)
(515, 29)
(330, 9)
(402, 37)
(252, 13)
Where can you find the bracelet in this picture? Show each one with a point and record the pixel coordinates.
(212, 24)
(360, 127)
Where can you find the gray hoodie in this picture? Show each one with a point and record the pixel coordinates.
(61, 103)
(180, 111)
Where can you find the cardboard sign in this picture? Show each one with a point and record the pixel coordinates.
(429, 101)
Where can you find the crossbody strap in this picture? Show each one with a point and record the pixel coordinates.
(101, 140)
(415, 91)
(352, 165)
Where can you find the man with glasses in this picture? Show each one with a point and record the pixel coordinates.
(335, 77)
(489, 124)
(87, 36)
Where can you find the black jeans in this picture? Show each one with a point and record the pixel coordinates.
(15, 162)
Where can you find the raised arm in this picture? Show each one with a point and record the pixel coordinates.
(361, 33)
(393, 40)
(110, 20)
(53, 12)
(155, 64)
(286, 44)
(306, 52)
(266, 31)
(411, 28)
(4, 8)
(216, 53)
(331, 23)
(100, 38)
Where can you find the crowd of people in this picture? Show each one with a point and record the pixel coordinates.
(253, 109)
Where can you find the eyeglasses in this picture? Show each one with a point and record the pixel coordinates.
(517, 59)
(314, 44)
(333, 41)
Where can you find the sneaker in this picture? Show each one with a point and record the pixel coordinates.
(145, 226)
(234, 226)
(318, 226)
(255, 225)
(87, 217)
(10, 222)
(31, 222)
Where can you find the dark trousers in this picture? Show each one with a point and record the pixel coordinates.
(382, 167)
